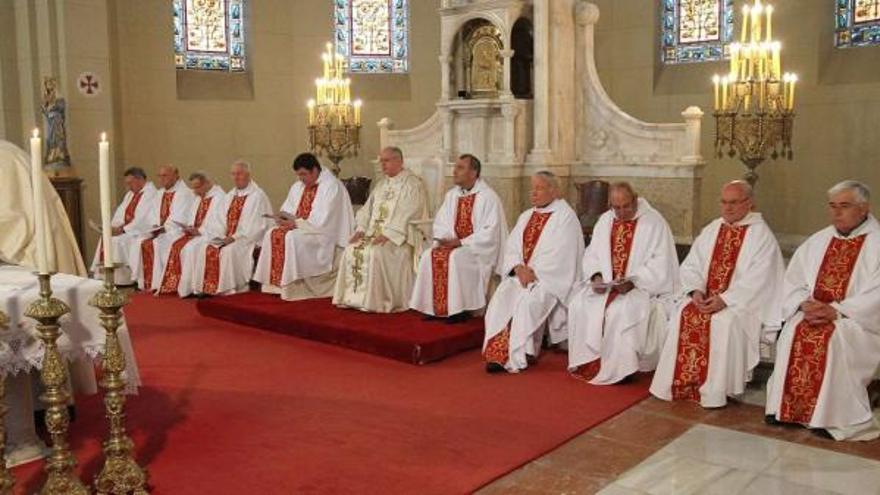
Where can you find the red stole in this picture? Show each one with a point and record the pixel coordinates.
(622, 235)
(464, 227)
(147, 247)
(692, 357)
(171, 278)
(809, 348)
(279, 234)
(130, 210)
(498, 347)
(212, 253)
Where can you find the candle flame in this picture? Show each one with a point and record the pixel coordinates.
(311, 103)
(358, 103)
(36, 133)
(103, 137)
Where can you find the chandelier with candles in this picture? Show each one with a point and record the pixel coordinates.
(754, 102)
(334, 119)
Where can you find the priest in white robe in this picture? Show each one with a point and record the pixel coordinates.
(300, 255)
(176, 255)
(541, 263)
(225, 263)
(130, 222)
(829, 350)
(730, 283)
(169, 212)
(469, 233)
(376, 271)
(18, 242)
(617, 316)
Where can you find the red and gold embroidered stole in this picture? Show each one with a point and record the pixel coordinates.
(464, 227)
(809, 348)
(278, 235)
(692, 357)
(622, 235)
(127, 218)
(147, 247)
(212, 253)
(171, 277)
(498, 347)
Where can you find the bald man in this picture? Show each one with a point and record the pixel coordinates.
(225, 263)
(170, 209)
(829, 350)
(730, 286)
(377, 269)
(617, 315)
(541, 262)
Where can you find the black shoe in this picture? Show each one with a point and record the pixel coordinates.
(458, 318)
(771, 420)
(430, 318)
(494, 368)
(821, 433)
(531, 360)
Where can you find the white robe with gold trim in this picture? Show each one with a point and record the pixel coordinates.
(379, 278)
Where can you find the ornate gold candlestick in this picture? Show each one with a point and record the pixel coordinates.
(59, 465)
(7, 481)
(120, 474)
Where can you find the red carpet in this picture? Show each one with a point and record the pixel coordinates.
(230, 410)
(402, 336)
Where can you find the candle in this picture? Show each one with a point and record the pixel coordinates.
(104, 188)
(357, 112)
(39, 205)
(347, 91)
(724, 84)
(734, 57)
(716, 81)
(756, 21)
(794, 80)
(786, 84)
(326, 60)
(311, 105)
(745, 24)
(777, 64)
(769, 10)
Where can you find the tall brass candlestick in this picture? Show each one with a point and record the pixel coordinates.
(59, 465)
(120, 474)
(7, 481)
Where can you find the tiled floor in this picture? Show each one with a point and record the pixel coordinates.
(679, 447)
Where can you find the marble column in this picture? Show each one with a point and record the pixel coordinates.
(446, 119)
(541, 152)
(509, 111)
(505, 84)
(693, 117)
(444, 76)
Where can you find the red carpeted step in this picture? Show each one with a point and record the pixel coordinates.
(402, 336)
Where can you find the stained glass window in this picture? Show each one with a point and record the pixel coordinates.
(696, 30)
(209, 34)
(857, 23)
(372, 35)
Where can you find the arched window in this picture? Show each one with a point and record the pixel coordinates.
(696, 30)
(372, 35)
(209, 35)
(857, 23)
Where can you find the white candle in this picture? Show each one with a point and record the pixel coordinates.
(357, 112)
(104, 183)
(39, 207)
(716, 81)
(745, 24)
(794, 80)
(769, 10)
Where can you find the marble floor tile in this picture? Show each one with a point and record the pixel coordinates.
(768, 485)
(733, 481)
(741, 451)
(668, 474)
(832, 471)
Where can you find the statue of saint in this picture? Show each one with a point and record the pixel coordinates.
(54, 109)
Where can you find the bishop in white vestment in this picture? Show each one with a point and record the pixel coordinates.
(541, 262)
(469, 232)
(130, 221)
(225, 263)
(175, 255)
(170, 211)
(730, 284)
(829, 350)
(617, 316)
(376, 272)
(300, 255)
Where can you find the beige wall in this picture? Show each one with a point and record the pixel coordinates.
(837, 129)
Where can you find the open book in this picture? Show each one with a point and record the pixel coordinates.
(94, 226)
(182, 225)
(280, 216)
(610, 285)
(217, 241)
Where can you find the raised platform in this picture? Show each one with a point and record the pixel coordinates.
(401, 336)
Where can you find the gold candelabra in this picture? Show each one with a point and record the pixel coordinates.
(46, 310)
(334, 119)
(120, 474)
(754, 102)
(7, 480)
